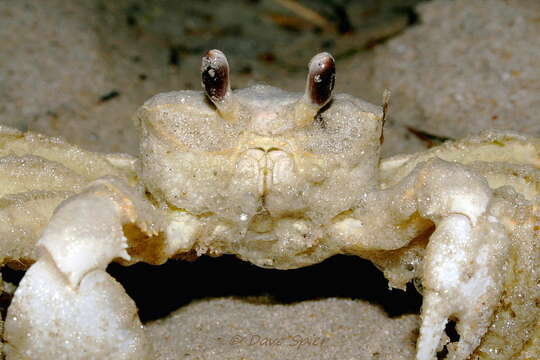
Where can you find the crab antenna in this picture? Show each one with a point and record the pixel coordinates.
(386, 100)
(215, 81)
(319, 88)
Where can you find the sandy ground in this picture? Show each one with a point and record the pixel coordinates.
(80, 70)
(469, 65)
(229, 328)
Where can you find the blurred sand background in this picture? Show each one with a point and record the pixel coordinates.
(79, 70)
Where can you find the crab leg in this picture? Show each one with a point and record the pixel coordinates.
(464, 259)
(67, 306)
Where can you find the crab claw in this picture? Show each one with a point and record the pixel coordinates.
(463, 267)
(67, 306)
(215, 81)
(463, 274)
(463, 264)
(80, 247)
(319, 88)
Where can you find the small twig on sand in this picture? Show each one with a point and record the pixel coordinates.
(307, 14)
(429, 139)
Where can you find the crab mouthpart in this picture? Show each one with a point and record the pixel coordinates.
(267, 168)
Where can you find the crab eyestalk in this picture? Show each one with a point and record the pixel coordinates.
(215, 81)
(319, 88)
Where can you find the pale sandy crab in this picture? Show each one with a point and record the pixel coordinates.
(282, 180)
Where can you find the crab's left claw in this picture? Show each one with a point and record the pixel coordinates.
(463, 267)
(463, 274)
(464, 261)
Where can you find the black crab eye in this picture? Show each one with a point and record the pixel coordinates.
(215, 75)
(321, 78)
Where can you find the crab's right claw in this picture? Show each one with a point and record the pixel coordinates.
(67, 306)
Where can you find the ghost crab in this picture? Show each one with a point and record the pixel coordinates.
(281, 180)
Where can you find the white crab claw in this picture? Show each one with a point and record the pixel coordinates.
(78, 245)
(463, 273)
(67, 306)
(49, 320)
